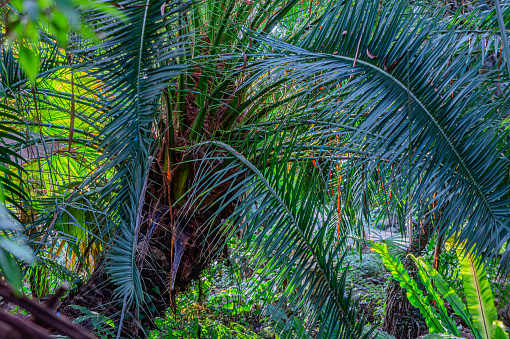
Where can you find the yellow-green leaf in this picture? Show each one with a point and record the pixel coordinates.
(29, 60)
(479, 298)
(414, 294)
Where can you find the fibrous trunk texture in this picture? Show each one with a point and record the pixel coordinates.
(174, 245)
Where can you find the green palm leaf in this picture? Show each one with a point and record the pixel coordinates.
(415, 108)
(132, 65)
(283, 234)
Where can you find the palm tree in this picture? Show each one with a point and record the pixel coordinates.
(310, 110)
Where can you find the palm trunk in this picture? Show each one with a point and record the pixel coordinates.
(174, 244)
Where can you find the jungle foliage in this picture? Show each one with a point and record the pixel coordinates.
(139, 137)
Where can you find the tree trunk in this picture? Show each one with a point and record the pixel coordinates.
(174, 246)
(401, 319)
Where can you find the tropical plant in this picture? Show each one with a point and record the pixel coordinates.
(197, 119)
(56, 17)
(48, 160)
(12, 250)
(479, 312)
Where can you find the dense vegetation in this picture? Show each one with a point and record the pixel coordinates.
(255, 169)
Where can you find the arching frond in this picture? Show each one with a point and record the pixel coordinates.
(397, 86)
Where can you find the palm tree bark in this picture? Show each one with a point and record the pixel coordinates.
(175, 244)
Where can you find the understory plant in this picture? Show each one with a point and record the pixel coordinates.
(219, 306)
(478, 312)
(13, 251)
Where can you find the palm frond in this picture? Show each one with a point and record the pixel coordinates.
(280, 213)
(394, 85)
(132, 66)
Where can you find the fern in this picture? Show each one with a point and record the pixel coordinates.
(414, 294)
(479, 297)
(434, 295)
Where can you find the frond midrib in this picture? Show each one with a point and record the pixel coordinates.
(429, 114)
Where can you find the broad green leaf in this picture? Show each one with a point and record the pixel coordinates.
(449, 294)
(414, 294)
(60, 27)
(377, 334)
(440, 336)
(499, 331)
(425, 278)
(17, 250)
(11, 251)
(479, 297)
(10, 269)
(29, 60)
